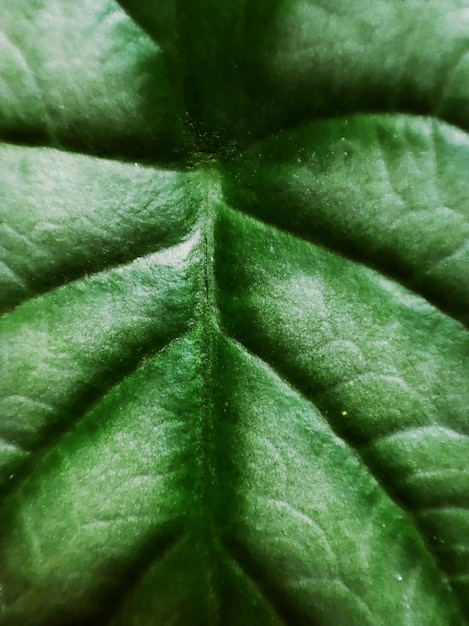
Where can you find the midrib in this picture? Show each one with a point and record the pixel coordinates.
(209, 329)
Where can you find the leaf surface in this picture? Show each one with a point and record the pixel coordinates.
(234, 334)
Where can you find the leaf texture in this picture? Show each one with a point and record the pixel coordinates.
(234, 334)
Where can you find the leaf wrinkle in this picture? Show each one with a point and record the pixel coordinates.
(282, 608)
(355, 451)
(313, 524)
(149, 555)
(267, 365)
(22, 475)
(173, 250)
(376, 272)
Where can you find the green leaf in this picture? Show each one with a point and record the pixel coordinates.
(234, 333)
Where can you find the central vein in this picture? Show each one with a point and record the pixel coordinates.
(209, 331)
